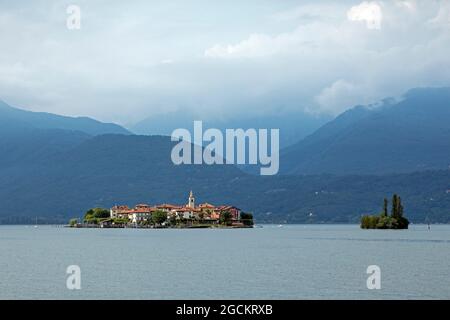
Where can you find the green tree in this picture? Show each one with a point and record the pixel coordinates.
(402, 222)
(92, 220)
(120, 221)
(225, 218)
(73, 222)
(99, 213)
(172, 220)
(395, 221)
(365, 222)
(384, 222)
(370, 222)
(159, 217)
(247, 219)
(385, 208)
(395, 206)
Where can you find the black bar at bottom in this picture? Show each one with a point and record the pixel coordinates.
(227, 309)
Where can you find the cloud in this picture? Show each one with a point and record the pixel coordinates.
(442, 18)
(307, 13)
(369, 12)
(256, 45)
(132, 61)
(337, 97)
(409, 5)
(167, 61)
(316, 22)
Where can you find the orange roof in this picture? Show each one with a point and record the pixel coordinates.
(126, 212)
(167, 206)
(206, 205)
(121, 207)
(189, 209)
(227, 207)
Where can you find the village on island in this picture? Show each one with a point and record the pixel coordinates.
(204, 215)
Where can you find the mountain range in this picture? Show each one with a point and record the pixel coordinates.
(18, 119)
(55, 167)
(293, 126)
(409, 135)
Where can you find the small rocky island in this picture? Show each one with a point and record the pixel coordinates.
(395, 220)
(204, 215)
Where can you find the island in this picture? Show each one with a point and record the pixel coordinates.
(395, 220)
(204, 215)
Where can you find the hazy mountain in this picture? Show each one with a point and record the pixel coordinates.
(15, 119)
(30, 146)
(100, 171)
(293, 126)
(126, 169)
(406, 136)
(57, 174)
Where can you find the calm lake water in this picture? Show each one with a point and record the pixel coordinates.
(289, 262)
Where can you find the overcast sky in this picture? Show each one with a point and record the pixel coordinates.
(131, 59)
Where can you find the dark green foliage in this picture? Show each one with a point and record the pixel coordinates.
(95, 215)
(172, 221)
(225, 218)
(400, 222)
(395, 206)
(146, 222)
(385, 208)
(159, 217)
(395, 221)
(120, 221)
(247, 219)
(369, 222)
(98, 213)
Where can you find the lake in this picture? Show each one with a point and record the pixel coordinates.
(288, 262)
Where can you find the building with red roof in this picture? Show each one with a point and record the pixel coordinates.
(204, 211)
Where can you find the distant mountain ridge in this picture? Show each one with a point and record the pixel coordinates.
(105, 170)
(117, 169)
(406, 136)
(293, 125)
(17, 119)
(56, 174)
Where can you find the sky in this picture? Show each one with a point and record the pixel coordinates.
(218, 59)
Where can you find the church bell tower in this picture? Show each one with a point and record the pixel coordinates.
(191, 203)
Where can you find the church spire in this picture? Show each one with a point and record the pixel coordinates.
(191, 203)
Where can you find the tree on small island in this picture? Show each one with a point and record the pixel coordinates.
(385, 221)
(95, 215)
(225, 218)
(159, 216)
(247, 219)
(120, 221)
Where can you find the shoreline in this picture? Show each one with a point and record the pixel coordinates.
(260, 224)
(157, 227)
